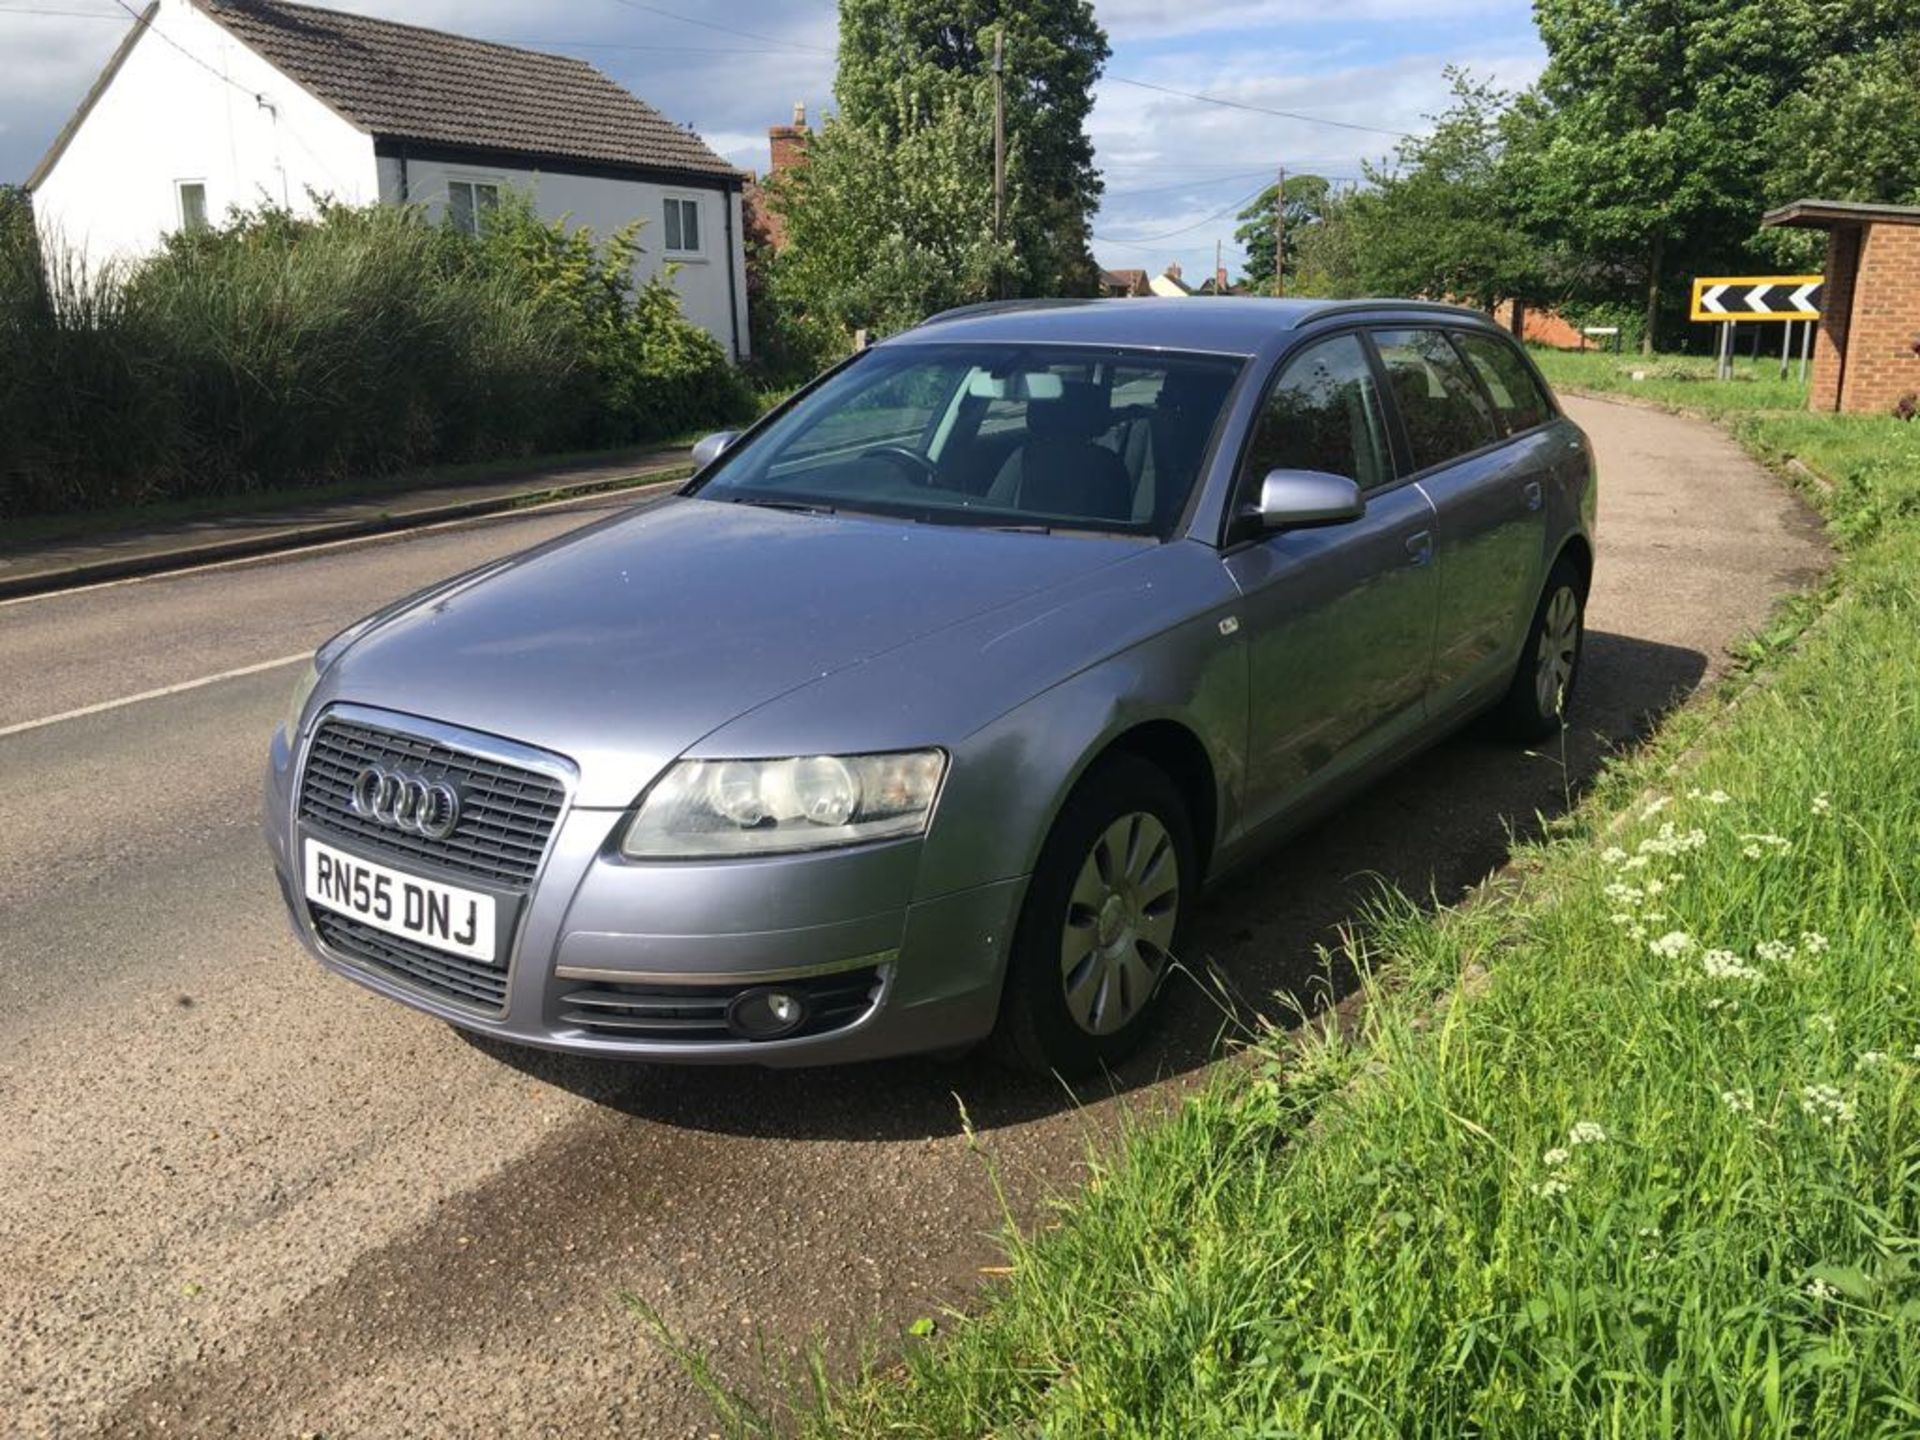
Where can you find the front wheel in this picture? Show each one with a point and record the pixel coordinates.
(1537, 701)
(1100, 925)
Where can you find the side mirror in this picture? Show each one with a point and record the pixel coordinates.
(712, 447)
(1291, 499)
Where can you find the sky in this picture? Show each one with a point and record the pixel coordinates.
(1176, 169)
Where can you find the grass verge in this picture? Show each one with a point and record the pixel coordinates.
(1650, 1167)
(1677, 382)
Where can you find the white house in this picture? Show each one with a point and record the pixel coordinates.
(213, 104)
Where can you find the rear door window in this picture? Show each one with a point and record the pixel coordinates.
(1441, 406)
(1509, 380)
(1323, 414)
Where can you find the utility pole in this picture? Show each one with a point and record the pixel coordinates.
(1280, 233)
(1000, 152)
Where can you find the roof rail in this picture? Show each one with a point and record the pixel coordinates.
(1000, 307)
(1438, 307)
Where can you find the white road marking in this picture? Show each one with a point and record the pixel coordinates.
(634, 493)
(160, 694)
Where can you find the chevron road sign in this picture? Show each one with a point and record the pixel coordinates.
(1757, 297)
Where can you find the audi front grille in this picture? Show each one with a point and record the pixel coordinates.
(507, 813)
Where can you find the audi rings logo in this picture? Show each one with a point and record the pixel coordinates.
(429, 808)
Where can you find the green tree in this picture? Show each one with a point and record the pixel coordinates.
(909, 64)
(1325, 260)
(1307, 200)
(1648, 141)
(1439, 221)
(884, 230)
(1853, 132)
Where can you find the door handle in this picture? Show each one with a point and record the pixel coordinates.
(1420, 547)
(1535, 496)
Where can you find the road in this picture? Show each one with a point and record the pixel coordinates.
(242, 1197)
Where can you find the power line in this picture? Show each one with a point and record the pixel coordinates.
(723, 29)
(68, 14)
(1257, 109)
(1220, 214)
(1188, 185)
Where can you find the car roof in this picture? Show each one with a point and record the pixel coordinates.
(1233, 325)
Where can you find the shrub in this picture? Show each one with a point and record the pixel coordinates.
(277, 350)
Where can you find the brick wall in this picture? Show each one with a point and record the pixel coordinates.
(1864, 359)
(1881, 363)
(1836, 314)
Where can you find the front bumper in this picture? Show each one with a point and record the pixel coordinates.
(596, 930)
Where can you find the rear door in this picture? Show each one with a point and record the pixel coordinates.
(1483, 475)
(1339, 619)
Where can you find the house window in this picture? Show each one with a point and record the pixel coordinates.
(683, 226)
(468, 203)
(192, 195)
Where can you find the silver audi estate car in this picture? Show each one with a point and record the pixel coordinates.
(926, 709)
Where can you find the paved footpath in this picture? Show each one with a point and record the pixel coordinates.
(243, 1198)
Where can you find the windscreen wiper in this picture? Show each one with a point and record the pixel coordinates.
(796, 507)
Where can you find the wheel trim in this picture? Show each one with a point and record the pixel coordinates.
(1558, 651)
(1120, 922)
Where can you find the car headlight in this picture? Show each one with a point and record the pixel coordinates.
(760, 807)
(297, 702)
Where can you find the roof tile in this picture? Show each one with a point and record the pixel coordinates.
(404, 82)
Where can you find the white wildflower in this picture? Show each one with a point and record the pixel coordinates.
(1552, 1186)
(1916, 1052)
(1738, 1101)
(1586, 1132)
(1827, 1103)
(1672, 945)
(1656, 806)
(1724, 1002)
(1622, 893)
(1557, 1157)
(1821, 1021)
(1813, 942)
(1777, 843)
(1613, 855)
(1822, 803)
(1719, 797)
(1694, 792)
(1637, 932)
(1821, 1292)
(1725, 965)
(1774, 952)
(1870, 1059)
(1671, 841)
(1636, 862)
(1620, 918)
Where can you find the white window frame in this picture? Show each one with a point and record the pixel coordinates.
(698, 251)
(475, 184)
(180, 188)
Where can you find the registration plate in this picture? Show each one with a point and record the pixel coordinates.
(443, 916)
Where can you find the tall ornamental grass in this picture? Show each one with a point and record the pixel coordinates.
(1636, 1155)
(277, 351)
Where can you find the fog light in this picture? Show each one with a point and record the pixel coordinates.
(766, 1014)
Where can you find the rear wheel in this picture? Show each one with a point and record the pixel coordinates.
(1537, 701)
(1101, 922)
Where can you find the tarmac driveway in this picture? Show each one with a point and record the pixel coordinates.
(241, 1197)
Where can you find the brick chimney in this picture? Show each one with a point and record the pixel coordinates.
(789, 142)
(1220, 280)
(1173, 270)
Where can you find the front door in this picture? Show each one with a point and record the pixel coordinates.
(1339, 618)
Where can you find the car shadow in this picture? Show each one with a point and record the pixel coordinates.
(1431, 830)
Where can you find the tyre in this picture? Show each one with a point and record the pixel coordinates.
(1538, 700)
(1101, 922)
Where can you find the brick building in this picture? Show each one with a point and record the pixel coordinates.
(1866, 352)
(787, 147)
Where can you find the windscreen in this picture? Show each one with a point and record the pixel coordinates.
(1044, 437)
